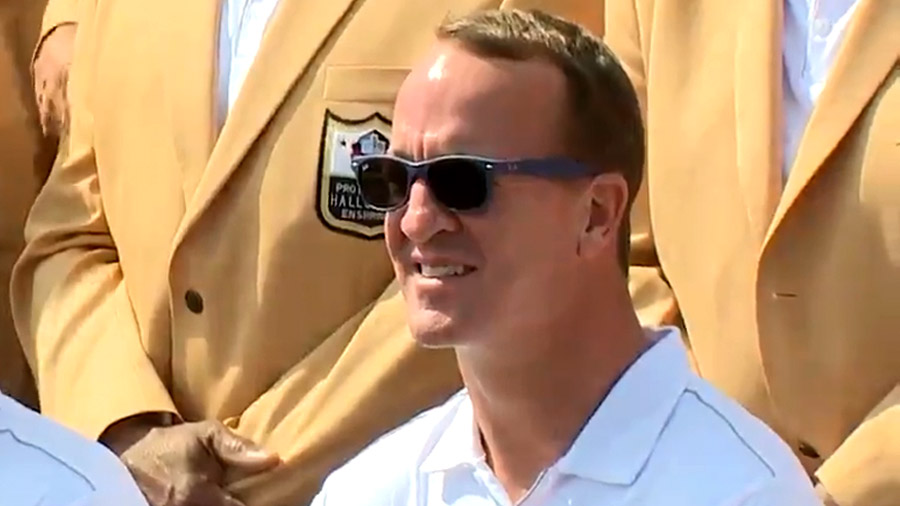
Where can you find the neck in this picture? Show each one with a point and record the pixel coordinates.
(531, 404)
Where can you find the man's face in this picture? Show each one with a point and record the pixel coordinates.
(468, 277)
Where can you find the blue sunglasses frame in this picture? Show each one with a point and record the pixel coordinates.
(548, 168)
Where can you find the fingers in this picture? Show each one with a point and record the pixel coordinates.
(53, 109)
(39, 86)
(64, 112)
(207, 494)
(62, 101)
(51, 80)
(46, 117)
(195, 491)
(58, 109)
(228, 500)
(44, 106)
(183, 465)
(157, 491)
(235, 451)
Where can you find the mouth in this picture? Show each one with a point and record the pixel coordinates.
(443, 271)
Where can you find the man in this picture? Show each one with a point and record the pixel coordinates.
(202, 255)
(504, 227)
(773, 186)
(25, 155)
(42, 463)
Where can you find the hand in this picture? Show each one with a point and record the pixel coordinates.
(824, 495)
(51, 77)
(184, 465)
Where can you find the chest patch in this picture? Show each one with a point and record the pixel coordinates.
(339, 204)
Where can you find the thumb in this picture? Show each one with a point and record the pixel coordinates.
(235, 451)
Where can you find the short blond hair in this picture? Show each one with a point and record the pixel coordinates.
(606, 130)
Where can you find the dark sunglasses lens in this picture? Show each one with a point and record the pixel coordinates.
(458, 184)
(383, 183)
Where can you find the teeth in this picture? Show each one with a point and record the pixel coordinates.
(438, 271)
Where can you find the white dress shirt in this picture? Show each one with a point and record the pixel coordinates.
(662, 437)
(42, 463)
(813, 31)
(241, 28)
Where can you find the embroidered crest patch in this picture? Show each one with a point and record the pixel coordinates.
(340, 206)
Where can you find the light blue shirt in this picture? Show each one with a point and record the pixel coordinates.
(662, 437)
(813, 32)
(241, 28)
(45, 464)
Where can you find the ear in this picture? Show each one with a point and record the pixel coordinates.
(608, 199)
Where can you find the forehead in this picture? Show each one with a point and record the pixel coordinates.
(457, 101)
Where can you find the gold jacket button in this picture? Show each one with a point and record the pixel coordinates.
(193, 301)
(807, 450)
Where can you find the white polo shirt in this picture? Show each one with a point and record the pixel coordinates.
(813, 33)
(242, 24)
(45, 464)
(662, 437)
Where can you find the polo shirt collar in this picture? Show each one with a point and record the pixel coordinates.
(459, 444)
(618, 439)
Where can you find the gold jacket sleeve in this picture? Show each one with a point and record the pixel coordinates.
(652, 297)
(865, 469)
(313, 411)
(69, 302)
(58, 12)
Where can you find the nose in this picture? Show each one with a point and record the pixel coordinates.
(424, 217)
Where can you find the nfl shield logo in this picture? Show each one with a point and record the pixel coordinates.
(340, 206)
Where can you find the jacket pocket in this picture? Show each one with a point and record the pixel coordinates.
(363, 84)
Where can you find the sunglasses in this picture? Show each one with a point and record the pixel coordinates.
(458, 182)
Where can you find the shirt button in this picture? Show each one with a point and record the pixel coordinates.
(807, 450)
(193, 301)
(822, 27)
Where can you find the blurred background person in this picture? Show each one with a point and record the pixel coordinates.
(200, 267)
(774, 196)
(45, 464)
(26, 155)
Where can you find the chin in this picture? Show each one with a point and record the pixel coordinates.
(432, 329)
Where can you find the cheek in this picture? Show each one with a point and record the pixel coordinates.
(529, 250)
(393, 236)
